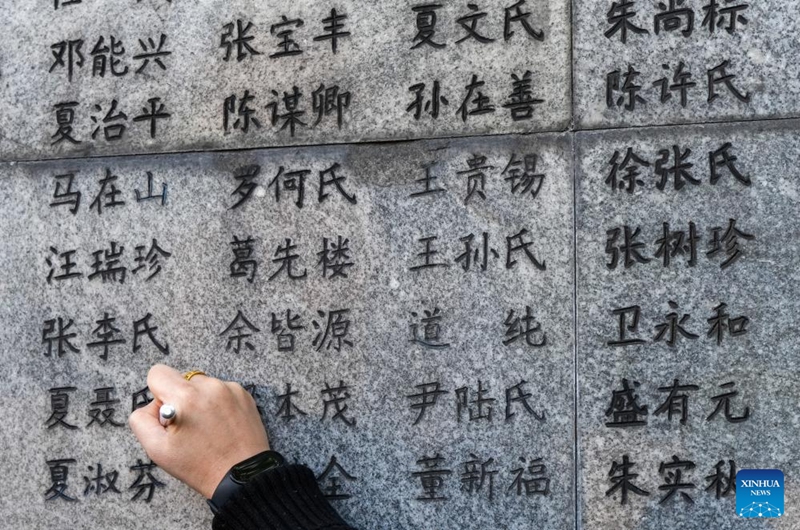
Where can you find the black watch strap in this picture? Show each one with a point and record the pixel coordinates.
(241, 474)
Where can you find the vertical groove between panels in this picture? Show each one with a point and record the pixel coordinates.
(574, 161)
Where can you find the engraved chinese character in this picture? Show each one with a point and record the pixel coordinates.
(330, 481)
(673, 479)
(64, 195)
(287, 46)
(106, 334)
(59, 473)
(622, 479)
(431, 329)
(59, 405)
(283, 328)
(243, 265)
(145, 481)
(66, 266)
(55, 332)
(152, 52)
(431, 478)
(103, 411)
(335, 397)
(142, 327)
(625, 409)
(153, 114)
(427, 397)
(65, 116)
(335, 332)
(426, 25)
(286, 407)
(238, 331)
(242, 40)
(333, 29)
(422, 104)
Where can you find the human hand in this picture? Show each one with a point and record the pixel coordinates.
(217, 426)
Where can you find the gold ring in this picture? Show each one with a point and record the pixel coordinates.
(188, 375)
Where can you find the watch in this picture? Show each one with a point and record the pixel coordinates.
(241, 474)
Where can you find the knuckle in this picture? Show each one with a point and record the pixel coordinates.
(248, 397)
(242, 393)
(133, 419)
(215, 388)
(236, 388)
(185, 395)
(218, 385)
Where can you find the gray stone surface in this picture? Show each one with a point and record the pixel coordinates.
(376, 65)
(760, 52)
(761, 285)
(575, 196)
(194, 297)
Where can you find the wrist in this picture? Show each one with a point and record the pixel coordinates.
(221, 465)
(241, 474)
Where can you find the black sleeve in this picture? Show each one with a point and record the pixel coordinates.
(283, 498)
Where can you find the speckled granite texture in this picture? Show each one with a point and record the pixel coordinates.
(194, 298)
(375, 65)
(757, 44)
(758, 355)
(507, 264)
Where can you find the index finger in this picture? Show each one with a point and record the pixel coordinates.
(148, 430)
(166, 383)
